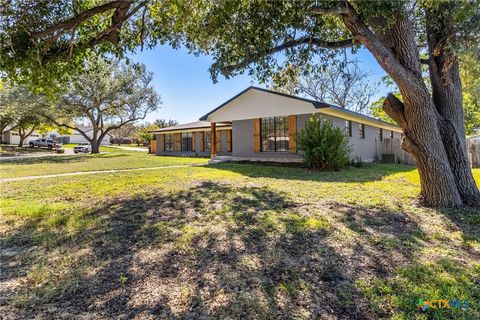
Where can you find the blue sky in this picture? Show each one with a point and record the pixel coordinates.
(187, 91)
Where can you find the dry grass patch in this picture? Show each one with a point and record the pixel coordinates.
(234, 241)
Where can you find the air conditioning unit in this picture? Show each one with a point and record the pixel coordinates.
(389, 158)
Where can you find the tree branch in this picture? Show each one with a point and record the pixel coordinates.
(72, 22)
(67, 126)
(110, 34)
(395, 109)
(290, 44)
(338, 10)
(364, 35)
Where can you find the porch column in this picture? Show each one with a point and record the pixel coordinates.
(213, 141)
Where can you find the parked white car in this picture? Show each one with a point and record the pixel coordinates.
(83, 148)
(45, 143)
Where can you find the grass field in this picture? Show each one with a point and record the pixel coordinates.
(108, 159)
(233, 241)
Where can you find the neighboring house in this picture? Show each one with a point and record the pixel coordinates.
(12, 137)
(259, 124)
(75, 137)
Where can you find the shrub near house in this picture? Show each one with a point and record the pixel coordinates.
(324, 146)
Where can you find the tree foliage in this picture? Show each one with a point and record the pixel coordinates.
(126, 131)
(470, 74)
(42, 43)
(163, 123)
(20, 111)
(108, 95)
(143, 134)
(342, 83)
(324, 146)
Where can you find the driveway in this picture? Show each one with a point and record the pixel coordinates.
(68, 152)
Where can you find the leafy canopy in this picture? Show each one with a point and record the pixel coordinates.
(43, 42)
(106, 96)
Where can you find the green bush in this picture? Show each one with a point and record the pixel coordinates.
(324, 146)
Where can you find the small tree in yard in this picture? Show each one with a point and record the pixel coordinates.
(324, 146)
(143, 135)
(108, 95)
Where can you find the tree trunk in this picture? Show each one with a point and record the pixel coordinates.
(433, 136)
(94, 143)
(23, 134)
(447, 96)
(423, 141)
(22, 140)
(95, 146)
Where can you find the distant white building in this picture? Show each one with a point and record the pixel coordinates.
(12, 137)
(75, 137)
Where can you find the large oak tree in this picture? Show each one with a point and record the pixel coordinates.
(106, 96)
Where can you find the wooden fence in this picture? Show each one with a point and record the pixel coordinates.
(389, 150)
(473, 148)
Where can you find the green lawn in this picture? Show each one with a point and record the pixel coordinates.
(234, 241)
(110, 158)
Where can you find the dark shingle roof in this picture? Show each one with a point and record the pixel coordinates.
(190, 126)
(316, 104)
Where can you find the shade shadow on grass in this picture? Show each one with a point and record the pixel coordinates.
(211, 251)
(61, 159)
(369, 172)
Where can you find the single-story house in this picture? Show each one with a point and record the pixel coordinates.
(261, 125)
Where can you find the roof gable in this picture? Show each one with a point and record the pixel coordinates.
(256, 102)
